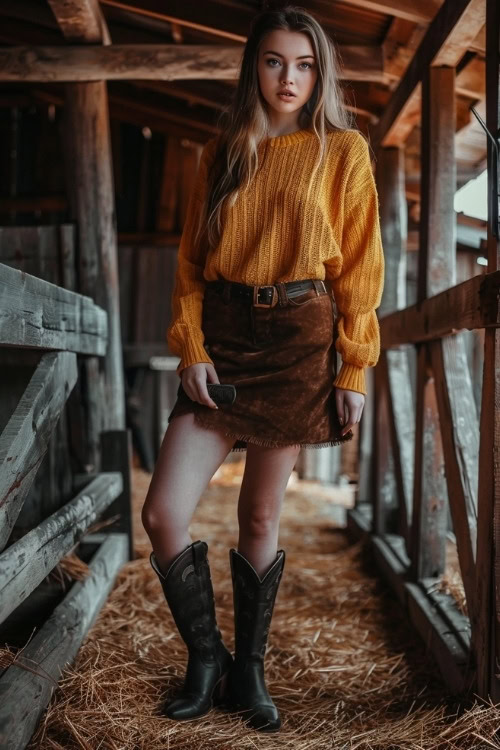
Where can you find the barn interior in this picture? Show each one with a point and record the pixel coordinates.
(105, 106)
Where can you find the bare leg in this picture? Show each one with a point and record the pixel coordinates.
(267, 471)
(189, 457)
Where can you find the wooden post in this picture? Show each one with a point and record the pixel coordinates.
(437, 261)
(90, 184)
(116, 455)
(93, 208)
(393, 225)
(487, 636)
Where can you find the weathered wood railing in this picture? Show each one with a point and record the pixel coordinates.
(58, 324)
(438, 456)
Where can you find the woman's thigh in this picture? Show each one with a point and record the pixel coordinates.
(267, 471)
(188, 458)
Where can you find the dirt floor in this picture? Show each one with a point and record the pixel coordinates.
(343, 665)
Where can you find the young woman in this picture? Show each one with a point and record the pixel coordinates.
(280, 266)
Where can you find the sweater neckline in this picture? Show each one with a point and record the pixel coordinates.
(289, 139)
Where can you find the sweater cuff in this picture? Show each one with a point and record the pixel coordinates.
(352, 378)
(193, 352)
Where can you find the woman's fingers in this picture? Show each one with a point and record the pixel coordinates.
(349, 408)
(194, 381)
(339, 402)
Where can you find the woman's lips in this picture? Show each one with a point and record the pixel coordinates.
(286, 97)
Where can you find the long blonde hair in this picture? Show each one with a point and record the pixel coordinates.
(245, 121)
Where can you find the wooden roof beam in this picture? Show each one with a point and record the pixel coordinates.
(81, 21)
(157, 62)
(455, 26)
(421, 12)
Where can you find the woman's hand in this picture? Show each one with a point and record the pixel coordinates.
(349, 407)
(194, 379)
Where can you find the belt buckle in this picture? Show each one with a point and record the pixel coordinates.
(256, 293)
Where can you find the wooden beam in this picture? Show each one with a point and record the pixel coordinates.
(422, 12)
(487, 643)
(436, 271)
(435, 615)
(454, 26)
(437, 255)
(402, 433)
(26, 686)
(25, 563)
(81, 20)
(168, 62)
(472, 304)
(460, 436)
(39, 315)
(25, 439)
(205, 17)
(90, 183)
(428, 527)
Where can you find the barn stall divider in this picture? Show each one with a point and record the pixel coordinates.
(438, 454)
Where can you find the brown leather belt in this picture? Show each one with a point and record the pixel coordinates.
(267, 295)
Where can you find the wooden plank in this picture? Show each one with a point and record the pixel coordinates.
(81, 20)
(428, 528)
(460, 436)
(453, 28)
(402, 432)
(452, 659)
(392, 566)
(37, 314)
(25, 439)
(27, 685)
(116, 455)
(92, 198)
(167, 201)
(436, 271)
(390, 183)
(156, 62)
(25, 563)
(487, 639)
(422, 12)
(474, 303)
(390, 176)
(385, 497)
(438, 235)
(47, 252)
(434, 614)
(447, 608)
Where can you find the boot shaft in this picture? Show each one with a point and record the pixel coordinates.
(187, 586)
(253, 600)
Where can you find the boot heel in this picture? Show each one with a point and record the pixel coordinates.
(220, 691)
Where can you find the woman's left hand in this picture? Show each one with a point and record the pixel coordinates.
(349, 407)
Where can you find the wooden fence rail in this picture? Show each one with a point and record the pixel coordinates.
(55, 325)
(441, 457)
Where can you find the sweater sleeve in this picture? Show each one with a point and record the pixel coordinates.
(185, 337)
(358, 287)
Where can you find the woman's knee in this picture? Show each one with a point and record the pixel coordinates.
(261, 521)
(160, 518)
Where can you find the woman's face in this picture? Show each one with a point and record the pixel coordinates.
(286, 60)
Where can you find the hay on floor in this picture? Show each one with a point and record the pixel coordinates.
(343, 665)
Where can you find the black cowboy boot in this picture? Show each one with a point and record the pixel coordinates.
(187, 586)
(253, 608)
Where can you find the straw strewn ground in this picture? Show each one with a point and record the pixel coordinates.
(343, 665)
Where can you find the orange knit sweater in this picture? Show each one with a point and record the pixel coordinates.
(277, 231)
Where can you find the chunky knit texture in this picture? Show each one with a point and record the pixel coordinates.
(281, 229)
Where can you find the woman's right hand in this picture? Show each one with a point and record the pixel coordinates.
(194, 379)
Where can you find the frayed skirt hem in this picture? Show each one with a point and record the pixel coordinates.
(270, 443)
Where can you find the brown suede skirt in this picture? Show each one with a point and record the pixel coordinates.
(282, 360)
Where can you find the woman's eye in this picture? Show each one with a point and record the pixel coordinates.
(273, 59)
